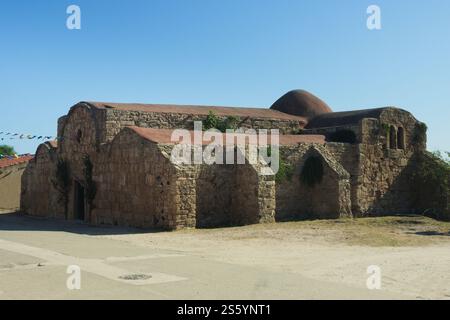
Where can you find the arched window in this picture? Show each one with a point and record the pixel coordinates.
(392, 138)
(401, 138)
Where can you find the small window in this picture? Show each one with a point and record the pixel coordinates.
(401, 138)
(79, 136)
(392, 138)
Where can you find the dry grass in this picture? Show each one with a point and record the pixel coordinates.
(392, 231)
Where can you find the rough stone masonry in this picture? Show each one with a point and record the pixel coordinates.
(111, 165)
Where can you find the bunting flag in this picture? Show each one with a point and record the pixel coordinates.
(22, 136)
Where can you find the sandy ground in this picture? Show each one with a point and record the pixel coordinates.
(10, 190)
(295, 260)
(35, 255)
(413, 253)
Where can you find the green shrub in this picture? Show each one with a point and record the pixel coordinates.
(431, 185)
(420, 133)
(212, 121)
(285, 170)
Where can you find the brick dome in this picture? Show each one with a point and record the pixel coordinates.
(301, 103)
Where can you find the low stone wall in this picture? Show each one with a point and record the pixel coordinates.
(10, 186)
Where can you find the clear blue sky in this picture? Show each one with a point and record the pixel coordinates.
(228, 52)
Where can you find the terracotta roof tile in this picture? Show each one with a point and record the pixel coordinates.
(163, 136)
(5, 162)
(200, 110)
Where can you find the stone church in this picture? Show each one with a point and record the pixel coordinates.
(111, 165)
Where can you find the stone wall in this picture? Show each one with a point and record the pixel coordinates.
(382, 183)
(136, 184)
(328, 199)
(253, 196)
(80, 139)
(214, 191)
(118, 119)
(222, 195)
(185, 211)
(376, 132)
(40, 195)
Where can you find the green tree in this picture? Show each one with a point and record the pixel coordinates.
(7, 150)
(431, 184)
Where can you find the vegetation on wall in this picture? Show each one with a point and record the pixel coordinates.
(312, 172)
(212, 121)
(285, 170)
(91, 187)
(343, 136)
(431, 185)
(420, 133)
(7, 150)
(62, 183)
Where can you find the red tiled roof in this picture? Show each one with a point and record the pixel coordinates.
(4, 163)
(200, 110)
(164, 136)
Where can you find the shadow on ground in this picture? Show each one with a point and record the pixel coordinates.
(16, 221)
(431, 233)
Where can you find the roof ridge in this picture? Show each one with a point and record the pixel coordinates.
(256, 112)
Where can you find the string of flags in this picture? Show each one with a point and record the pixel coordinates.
(22, 136)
